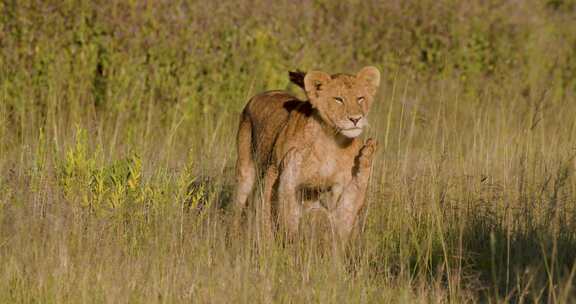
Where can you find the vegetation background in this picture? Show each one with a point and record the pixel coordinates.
(117, 149)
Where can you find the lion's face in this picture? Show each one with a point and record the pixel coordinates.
(343, 101)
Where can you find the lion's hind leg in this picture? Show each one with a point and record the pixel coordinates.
(270, 179)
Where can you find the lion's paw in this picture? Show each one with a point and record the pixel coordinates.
(367, 153)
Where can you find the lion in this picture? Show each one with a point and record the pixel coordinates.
(298, 145)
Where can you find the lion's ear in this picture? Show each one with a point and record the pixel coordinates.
(314, 81)
(371, 76)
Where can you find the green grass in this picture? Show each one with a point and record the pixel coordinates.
(117, 151)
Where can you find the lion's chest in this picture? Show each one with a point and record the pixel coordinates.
(327, 170)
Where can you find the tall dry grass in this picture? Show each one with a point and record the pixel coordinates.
(117, 124)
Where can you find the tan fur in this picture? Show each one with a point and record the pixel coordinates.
(300, 145)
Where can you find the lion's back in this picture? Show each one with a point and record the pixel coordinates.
(269, 113)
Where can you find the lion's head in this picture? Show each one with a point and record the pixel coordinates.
(342, 100)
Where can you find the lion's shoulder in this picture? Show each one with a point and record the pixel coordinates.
(278, 104)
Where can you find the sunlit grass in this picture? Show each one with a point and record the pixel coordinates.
(117, 151)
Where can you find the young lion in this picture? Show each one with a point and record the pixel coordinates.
(309, 145)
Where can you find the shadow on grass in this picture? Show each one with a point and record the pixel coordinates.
(522, 262)
(206, 191)
(531, 261)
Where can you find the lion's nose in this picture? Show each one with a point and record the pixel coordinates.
(355, 119)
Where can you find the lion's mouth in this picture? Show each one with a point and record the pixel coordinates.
(353, 129)
(351, 132)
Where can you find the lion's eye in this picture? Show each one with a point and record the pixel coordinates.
(360, 99)
(339, 99)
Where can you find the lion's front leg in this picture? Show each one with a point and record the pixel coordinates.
(352, 198)
(290, 208)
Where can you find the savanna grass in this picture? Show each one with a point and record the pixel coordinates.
(117, 126)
